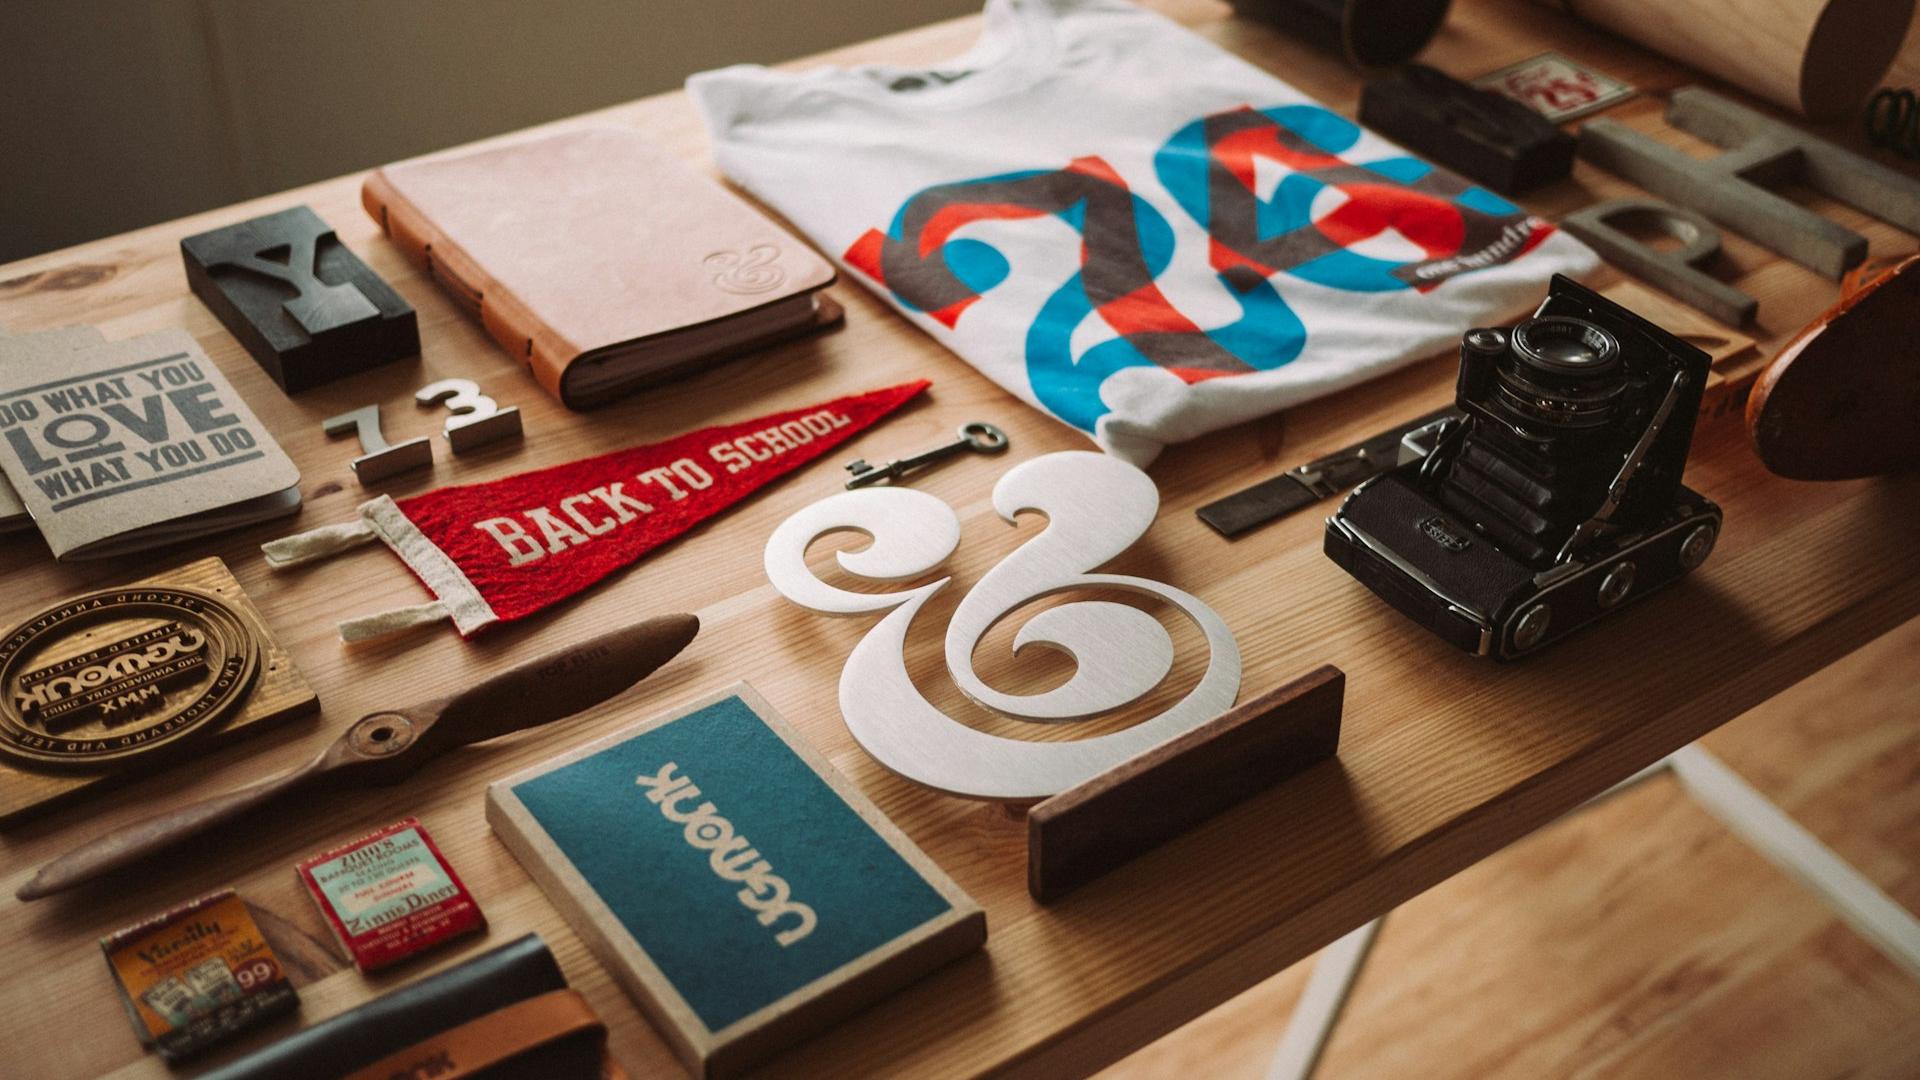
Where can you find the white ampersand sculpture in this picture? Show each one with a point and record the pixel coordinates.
(1096, 507)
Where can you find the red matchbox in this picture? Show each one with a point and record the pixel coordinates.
(390, 895)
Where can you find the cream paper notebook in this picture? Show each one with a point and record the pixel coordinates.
(13, 512)
(113, 447)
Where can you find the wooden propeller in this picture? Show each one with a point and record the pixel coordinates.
(386, 747)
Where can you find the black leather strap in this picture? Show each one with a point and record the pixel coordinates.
(1304, 485)
(335, 1047)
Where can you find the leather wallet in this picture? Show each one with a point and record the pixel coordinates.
(550, 1037)
(421, 1015)
(599, 260)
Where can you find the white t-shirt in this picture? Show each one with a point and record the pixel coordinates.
(1125, 225)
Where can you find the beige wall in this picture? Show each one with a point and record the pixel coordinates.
(120, 113)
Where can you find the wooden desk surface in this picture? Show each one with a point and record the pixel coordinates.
(1445, 758)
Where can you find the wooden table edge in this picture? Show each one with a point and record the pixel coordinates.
(1106, 1037)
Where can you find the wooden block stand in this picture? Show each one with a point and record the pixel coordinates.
(1084, 832)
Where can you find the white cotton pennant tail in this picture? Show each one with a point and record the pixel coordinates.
(381, 519)
(316, 544)
(380, 624)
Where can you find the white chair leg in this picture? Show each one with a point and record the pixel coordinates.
(1320, 1004)
(1767, 829)
(1721, 792)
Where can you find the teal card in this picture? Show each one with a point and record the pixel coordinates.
(737, 868)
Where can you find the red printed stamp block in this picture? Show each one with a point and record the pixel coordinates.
(1556, 87)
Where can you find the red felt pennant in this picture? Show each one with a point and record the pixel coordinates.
(502, 550)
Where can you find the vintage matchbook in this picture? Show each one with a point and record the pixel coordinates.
(116, 446)
(742, 891)
(196, 975)
(390, 894)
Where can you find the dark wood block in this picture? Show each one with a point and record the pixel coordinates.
(306, 307)
(1086, 831)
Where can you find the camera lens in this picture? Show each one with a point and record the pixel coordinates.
(1561, 372)
(1561, 346)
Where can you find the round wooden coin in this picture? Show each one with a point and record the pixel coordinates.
(111, 675)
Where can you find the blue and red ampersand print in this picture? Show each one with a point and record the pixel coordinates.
(1209, 168)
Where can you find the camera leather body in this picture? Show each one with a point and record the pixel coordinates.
(1472, 594)
(1556, 498)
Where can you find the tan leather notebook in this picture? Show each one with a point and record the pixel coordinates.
(599, 260)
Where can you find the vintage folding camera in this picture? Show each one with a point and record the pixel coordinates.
(1556, 498)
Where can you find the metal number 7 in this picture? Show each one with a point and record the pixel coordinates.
(378, 459)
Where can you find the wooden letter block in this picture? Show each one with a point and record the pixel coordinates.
(1086, 831)
(1759, 150)
(1604, 227)
(306, 307)
(742, 891)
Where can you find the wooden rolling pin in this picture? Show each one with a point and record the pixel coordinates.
(1820, 58)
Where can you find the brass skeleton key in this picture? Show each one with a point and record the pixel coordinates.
(981, 438)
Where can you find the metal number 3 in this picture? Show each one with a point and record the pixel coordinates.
(1096, 508)
(477, 419)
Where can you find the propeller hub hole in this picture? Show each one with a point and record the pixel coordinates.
(382, 734)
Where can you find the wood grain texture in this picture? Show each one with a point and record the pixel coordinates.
(1085, 831)
(1639, 938)
(1444, 759)
(279, 693)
